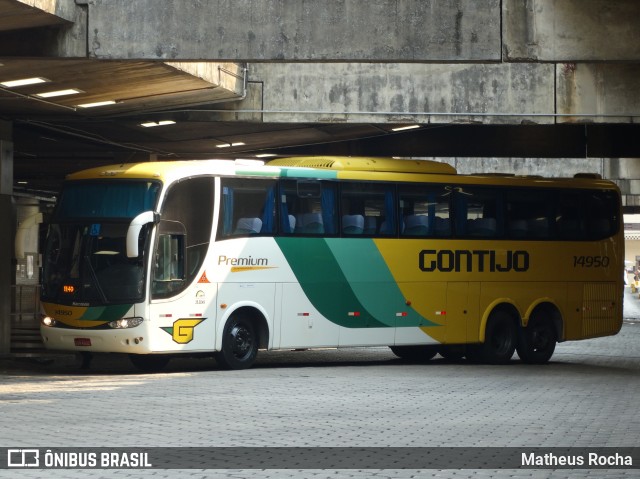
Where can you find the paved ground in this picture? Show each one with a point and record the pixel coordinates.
(587, 396)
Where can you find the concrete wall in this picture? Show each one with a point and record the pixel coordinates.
(549, 167)
(609, 90)
(571, 30)
(517, 59)
(257, 30)
(406, 92)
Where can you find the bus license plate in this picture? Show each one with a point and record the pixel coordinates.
(82, 341)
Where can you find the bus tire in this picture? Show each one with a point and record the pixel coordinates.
(239, 344)
(499, 342)
(415, 353)
(537, 342)
(149, 362)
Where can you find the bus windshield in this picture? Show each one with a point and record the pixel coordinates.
(110, 199)
(85, 260)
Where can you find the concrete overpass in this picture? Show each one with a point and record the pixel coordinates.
(495, 84)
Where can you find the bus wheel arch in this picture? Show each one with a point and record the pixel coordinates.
(245, 331)
(499, 336)
(537, 340)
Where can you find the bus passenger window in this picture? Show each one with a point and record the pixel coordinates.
(248, 207)
(368, 209)
(307, 207)
(479, 212)
(602, 216)
(570, 217)
(528, 213)
(424, 210)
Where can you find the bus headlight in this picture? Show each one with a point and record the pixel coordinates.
(48, 321)
(126, 323)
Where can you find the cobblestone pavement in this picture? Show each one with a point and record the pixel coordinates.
(587, 396)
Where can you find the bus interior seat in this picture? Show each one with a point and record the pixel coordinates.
(312, 223)
(352, 224)
(416, 225)
(248, 226)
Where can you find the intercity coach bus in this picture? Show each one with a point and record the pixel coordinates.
(221, 259)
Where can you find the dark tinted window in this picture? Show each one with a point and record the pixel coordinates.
(248, 207)
(479, 212)
(308, 207)
(424, 210)
(367, 209)
(183, 235)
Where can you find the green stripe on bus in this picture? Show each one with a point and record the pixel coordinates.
(324, 283)
(360, 261)
(336, 275)
(308, 173)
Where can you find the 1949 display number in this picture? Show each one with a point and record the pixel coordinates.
(590, 261)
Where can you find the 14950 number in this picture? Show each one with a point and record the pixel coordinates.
(590, 261)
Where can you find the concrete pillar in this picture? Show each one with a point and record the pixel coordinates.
(7, 231)
(626, 173)
(576, 30)
(598, 92)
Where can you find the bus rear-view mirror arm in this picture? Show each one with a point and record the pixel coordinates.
(133, 233)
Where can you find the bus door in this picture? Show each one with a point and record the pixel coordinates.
(182, 309)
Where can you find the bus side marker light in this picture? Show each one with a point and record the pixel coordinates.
(441, 313)
(407, 302)
(402, 313)
(223, 306)
(353, 313)
(303, 314)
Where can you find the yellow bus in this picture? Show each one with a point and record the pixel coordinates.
(222, 259)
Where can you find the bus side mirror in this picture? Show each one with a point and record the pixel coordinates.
(133, 233)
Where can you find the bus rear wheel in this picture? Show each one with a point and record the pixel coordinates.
(239, 344)
(537, 342)
(499, 343)
(415, 353)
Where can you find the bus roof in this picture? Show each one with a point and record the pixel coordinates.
(362, 163)
(328, 167)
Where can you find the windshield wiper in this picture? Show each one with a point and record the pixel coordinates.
(94, 276)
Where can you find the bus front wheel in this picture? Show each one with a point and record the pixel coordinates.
(499, 343)
(239, 344)
(537, 342)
